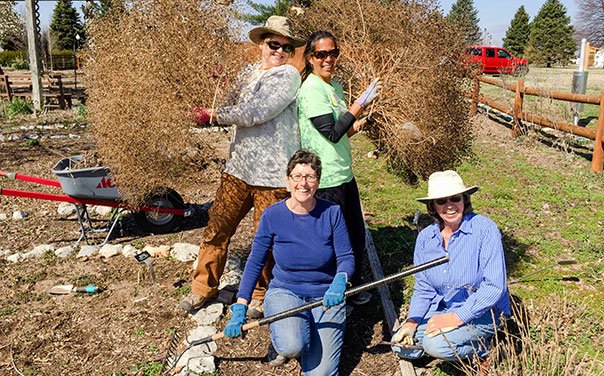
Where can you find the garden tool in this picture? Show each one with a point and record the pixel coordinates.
(67, 289)
(561, 262)
(144, 257)
(316, 303)
(396, 344)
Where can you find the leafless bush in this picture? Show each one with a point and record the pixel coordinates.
(422, 117)
(148, 63)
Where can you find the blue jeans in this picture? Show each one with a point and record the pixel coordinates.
(316, 336)
(466, 341)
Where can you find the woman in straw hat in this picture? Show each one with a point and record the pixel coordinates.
(456, 306)
(265, 136)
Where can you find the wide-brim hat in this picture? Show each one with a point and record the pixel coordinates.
(445, 184)
(276, 25)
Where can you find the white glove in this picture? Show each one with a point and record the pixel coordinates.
(404, 336)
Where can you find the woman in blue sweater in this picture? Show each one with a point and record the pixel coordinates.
(313, 260)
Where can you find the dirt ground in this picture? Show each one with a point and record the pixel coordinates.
(129, 324)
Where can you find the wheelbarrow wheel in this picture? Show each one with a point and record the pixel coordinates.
(161, 223)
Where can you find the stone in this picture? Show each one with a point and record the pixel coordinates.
(129, 251)
(233, 264)
(5, 252)
(3, 217)
(19, 214)
(66, 209)
(64, 251)
(198, 359)
(13, 137)
(15, 257)
(88, 250)
(230, 281)
(39, 251)
(2, 138)
(71, 135)
(102, 210)
(209, 315)
(185, 251)
(110, 250)
(161, 251)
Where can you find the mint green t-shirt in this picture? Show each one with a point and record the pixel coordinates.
(317, 98)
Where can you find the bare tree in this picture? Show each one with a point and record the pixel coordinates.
(590, 21)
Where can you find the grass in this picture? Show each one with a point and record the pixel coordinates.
(17, 106)
(548, 207)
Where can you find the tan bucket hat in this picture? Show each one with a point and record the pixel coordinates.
(276, 25)
(445, 184)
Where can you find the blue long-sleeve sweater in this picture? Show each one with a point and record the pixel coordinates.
(309, 250)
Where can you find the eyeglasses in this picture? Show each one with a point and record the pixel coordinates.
(442, 201)
(322, 54)
(298, 177)
(274, 45)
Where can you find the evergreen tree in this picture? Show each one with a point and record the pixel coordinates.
(281, 8)
(517, 35)
(551, 38)
(65, 25)
(94, 9)
(465, 15)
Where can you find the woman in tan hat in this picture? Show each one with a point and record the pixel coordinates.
(265, 136)
(456, 306)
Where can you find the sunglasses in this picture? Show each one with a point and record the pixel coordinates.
(322, 54)
(442, 201)
(274, 45)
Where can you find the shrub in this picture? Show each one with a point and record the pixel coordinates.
(7, 58)
(146, 69)
(422, 117)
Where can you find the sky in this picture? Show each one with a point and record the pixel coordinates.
(495, 16)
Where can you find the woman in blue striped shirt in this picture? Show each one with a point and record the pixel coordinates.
(456, 306)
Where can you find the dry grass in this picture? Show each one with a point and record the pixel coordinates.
(147, 67)
(422, 118)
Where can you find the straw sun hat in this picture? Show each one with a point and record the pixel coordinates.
(276, 25)
(445, 184)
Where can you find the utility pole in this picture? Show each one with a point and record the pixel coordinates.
(33, 46)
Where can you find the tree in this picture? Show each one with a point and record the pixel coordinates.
(465, 15)
(551, 38)
(590, 21)
(93, 9)
(12, 32)
(518, 33)
(65, 25)
(281, 8)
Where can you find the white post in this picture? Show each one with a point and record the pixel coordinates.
(33, 48)
(582, 55)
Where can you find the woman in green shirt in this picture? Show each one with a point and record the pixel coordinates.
(325, 125)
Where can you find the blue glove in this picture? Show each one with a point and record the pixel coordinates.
(335, 293)
(370, 93)
(233, 327)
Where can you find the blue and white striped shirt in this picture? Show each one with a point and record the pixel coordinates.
(474, 279)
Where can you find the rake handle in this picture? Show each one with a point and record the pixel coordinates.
(317, 303)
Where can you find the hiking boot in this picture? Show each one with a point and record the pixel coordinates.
(193, 302)
(273, 358)
(362, 298)
(255, 309)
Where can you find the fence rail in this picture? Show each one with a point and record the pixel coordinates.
(597, 161)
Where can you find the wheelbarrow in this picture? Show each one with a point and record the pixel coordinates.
(162, 212)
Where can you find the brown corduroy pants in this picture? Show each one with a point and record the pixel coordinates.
(233, 201)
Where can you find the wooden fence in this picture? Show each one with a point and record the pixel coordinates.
(597, 161)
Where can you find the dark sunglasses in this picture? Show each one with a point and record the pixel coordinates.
(442, 201)
(274, 45)
(322, 55)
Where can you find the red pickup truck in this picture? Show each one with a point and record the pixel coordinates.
(496, 60)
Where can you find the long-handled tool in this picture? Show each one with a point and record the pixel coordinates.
(561, 262)
(67, 289)
(317, 303)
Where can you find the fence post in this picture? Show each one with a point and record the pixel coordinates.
(597, 159)
(518, 127)
(475, 93)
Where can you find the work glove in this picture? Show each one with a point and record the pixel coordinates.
(233, 327)
(404, 335)
(199, 115)
(335, 293)
(442, 323)
(370, 93)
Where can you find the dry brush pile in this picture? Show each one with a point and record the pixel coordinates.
(150, 62)
(422, 117)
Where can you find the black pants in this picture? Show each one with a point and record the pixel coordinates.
(347, 196)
